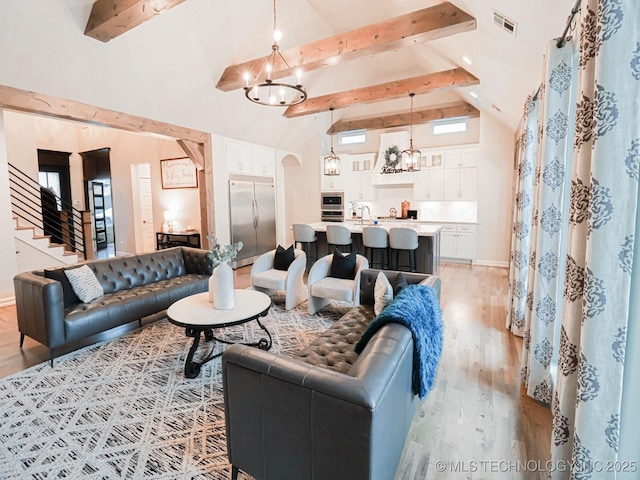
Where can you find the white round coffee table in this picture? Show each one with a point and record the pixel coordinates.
(196, 314)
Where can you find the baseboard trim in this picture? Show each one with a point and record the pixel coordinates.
(7, 301)
(490, 263)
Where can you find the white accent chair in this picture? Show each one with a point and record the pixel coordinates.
(267, 279)
(323, 288)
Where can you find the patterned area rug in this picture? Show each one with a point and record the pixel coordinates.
(123, 408)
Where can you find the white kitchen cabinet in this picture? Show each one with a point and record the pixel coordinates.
(460, 175)
(239, 158)
(358, 185)
(250, 160)
(362, 162)
(429, 184)
(360, 188)
(264, 162)
(458, 241)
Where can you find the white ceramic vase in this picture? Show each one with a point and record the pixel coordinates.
(221, 287)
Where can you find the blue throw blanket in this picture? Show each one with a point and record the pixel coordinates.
(416, 307)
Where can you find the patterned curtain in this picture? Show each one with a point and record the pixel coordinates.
(604, 199)
(526, 161)
(550, 224)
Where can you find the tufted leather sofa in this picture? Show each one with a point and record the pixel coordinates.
(134, 287)
(325, 413)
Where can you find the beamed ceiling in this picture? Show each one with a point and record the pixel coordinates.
(406, 30)
(360, 57)
(111, 18)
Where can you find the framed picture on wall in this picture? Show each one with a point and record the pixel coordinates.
(178, 173)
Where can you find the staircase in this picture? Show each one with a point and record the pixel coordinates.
(28, 239)
(48, 230)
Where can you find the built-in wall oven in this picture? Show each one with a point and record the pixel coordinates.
(332, 206)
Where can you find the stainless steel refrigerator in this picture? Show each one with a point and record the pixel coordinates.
(252, 205)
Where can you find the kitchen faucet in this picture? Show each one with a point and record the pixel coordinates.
(393, 212)
(362, 213)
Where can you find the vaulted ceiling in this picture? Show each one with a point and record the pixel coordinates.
(438, 40)
(164, 58)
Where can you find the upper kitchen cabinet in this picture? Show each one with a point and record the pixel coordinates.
(250, 160)
(359, 185)
(429, 180)
(264, 160)
(460, 173)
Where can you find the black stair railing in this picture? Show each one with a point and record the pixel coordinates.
(43, 209)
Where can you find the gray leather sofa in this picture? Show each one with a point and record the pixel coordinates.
(327, 413)
(134, 287)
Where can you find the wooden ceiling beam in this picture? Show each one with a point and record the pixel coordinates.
(40, 104)
(431, 82)
(193, 151)
(462, 109)
(430, 23)
(111, 18)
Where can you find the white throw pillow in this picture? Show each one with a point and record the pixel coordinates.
(84, 283)
(382, 293)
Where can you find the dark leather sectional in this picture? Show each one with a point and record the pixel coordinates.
(134, 287)
(325, 413)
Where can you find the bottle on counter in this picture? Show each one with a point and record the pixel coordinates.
(405, 209)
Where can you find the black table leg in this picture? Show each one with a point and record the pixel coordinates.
(191, 368)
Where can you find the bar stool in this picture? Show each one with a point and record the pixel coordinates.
(403, 240)
(376, 239)
(338, 236)
(305, 235)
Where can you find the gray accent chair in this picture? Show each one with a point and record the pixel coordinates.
(134, 287)
(403, 240)
(325, 413)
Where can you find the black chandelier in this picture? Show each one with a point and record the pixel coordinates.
(267, 92)
(411, 156)
(332, 161)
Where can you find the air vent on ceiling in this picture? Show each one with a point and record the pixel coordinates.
(505, 23)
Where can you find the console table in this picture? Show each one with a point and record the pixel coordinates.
(177, 239)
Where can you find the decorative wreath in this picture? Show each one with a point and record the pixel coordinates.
(392, 156)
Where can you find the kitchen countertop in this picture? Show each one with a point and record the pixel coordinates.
(410, 220)
(423, 229)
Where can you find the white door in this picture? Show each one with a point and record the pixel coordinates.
(146, 215)
(143, 214)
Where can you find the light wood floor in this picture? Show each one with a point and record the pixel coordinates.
(475, 424)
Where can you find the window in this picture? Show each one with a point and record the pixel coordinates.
(352, 137)
(449, 125)
(51, 180)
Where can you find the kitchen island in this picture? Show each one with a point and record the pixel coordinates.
(427, 255)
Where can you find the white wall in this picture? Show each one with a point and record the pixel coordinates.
(7, 243)
(422, 138)
(495, 178)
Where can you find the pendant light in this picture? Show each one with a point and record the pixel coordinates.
(411, 156)
(264, 90)
(331, 161)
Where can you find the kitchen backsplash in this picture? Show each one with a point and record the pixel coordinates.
(447, 211)
(389, 196)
